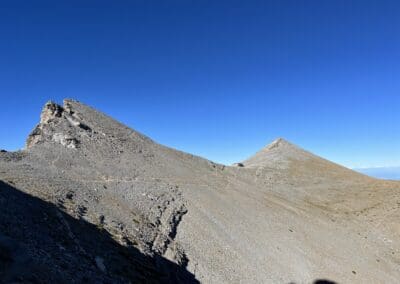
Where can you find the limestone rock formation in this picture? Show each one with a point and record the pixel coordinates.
(91, 200)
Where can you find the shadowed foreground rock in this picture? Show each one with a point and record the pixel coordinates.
(39, 243)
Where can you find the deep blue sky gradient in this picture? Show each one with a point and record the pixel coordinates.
(220, 79)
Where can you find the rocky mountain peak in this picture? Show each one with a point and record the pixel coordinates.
(277, 152)
(279, 142)
(57, 124)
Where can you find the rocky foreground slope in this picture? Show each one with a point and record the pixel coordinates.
(91, 200)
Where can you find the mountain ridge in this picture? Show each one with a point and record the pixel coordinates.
(52, 110)
(280, 218)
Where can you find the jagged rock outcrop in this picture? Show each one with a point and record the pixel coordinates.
(57, 118)
(126, 209)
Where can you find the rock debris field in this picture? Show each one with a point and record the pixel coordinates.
(90, 200)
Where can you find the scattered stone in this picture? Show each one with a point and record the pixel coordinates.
(82, 210)
(69, 195)
(101, 219)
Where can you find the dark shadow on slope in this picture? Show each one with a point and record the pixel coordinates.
(324, 281)
(320, 281)
(39, 243)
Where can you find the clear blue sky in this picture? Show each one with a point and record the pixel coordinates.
(215, 78)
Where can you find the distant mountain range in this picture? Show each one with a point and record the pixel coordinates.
(381, 172)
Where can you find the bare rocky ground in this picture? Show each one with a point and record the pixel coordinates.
(91, 200)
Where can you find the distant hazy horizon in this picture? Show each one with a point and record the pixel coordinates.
(391, 173)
